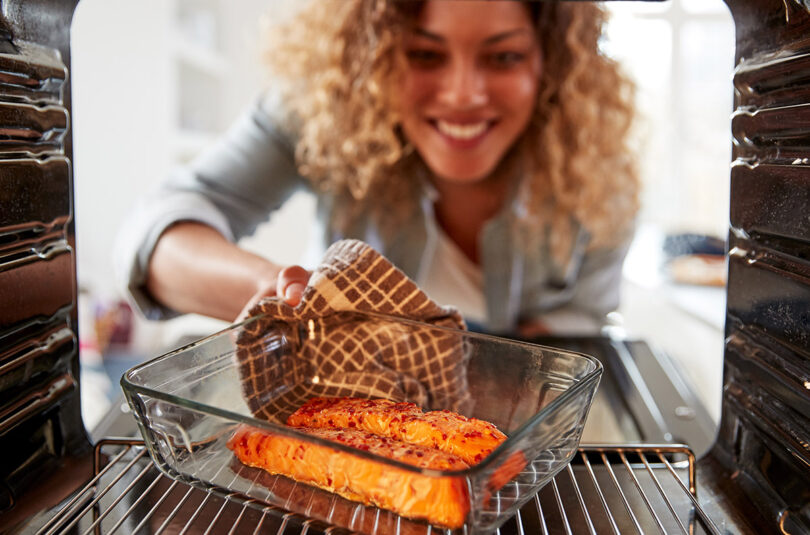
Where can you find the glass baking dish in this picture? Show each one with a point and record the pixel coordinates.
(189, 402)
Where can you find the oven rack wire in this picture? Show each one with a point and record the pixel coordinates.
(614, 489)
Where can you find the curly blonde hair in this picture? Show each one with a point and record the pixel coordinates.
(340, 57)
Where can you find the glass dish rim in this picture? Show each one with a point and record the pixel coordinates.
(129, 387)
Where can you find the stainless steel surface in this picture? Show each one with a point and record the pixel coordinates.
(642, 396)
(621, 489)
(41, 432)
(764, 437)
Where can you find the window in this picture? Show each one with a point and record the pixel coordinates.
(681, 54)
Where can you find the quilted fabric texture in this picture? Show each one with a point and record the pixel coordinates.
(327, 347)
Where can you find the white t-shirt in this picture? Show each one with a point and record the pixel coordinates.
(453, 279)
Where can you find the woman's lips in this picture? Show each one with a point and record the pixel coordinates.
(463, 135)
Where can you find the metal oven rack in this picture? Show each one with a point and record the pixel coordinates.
(616, 489)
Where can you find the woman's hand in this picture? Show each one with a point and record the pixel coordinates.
(289, 284)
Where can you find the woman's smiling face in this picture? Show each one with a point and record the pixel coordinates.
(470, 84)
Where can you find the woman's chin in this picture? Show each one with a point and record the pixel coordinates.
(462, 174)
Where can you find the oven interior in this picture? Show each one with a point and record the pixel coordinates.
(752, 476)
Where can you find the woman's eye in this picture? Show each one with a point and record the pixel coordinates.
(504, 60)
(424, 58)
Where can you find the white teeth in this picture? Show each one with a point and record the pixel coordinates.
(461, 131)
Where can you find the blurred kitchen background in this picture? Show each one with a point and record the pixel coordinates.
(155, 81)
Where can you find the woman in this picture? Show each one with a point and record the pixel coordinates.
(480, 146)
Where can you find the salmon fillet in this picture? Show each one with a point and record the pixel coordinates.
(439, 500)
(468, 438)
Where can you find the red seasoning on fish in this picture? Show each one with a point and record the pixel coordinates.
(469, 438)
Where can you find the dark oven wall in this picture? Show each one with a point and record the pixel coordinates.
(40, 419)
(764, 439)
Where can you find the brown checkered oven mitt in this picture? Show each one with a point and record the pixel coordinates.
(323, 347)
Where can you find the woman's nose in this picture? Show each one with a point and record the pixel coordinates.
(463, 85)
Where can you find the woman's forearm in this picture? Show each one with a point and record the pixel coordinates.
(195, 269)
